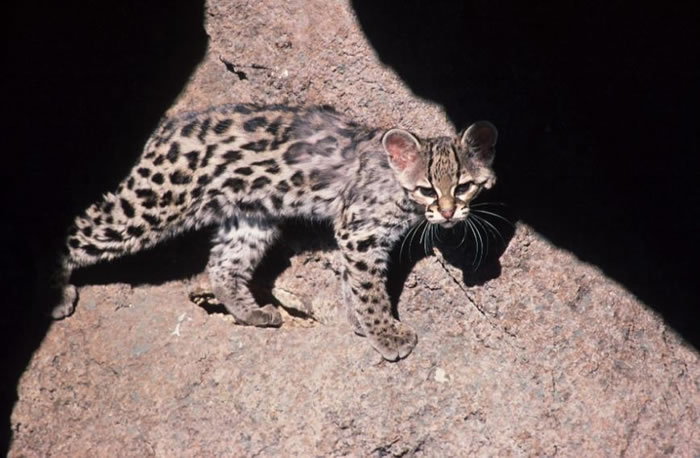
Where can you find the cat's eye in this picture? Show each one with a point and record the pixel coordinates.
(427, 192)
(462, 188)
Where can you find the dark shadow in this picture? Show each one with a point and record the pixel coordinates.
(85, 85)
(597, 110)
(175, 259)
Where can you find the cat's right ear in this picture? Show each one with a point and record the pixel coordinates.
(403, 149)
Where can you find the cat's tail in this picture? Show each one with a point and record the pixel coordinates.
(100, 233)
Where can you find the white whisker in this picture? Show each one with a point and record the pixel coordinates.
(496, 215)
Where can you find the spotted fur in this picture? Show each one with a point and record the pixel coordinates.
(246, 168)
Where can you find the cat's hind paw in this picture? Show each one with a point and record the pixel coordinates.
(266, 316)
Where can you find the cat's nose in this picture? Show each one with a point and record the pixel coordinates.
(447, 212)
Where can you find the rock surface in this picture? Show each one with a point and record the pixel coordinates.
(545, 357)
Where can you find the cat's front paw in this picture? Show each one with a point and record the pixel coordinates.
(67, 298)
(393, 341)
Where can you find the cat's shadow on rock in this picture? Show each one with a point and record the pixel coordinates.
(187, 255)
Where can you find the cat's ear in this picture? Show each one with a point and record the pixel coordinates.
(403, 149)
(480, 140)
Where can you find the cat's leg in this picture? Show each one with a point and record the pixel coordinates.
(238, 247)
(366, 256)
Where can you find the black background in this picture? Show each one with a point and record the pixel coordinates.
(595, 104)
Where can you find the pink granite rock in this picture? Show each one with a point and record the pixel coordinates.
(549, 357)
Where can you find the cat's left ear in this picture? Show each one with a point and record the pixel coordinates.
(480, 140)
(403, 149)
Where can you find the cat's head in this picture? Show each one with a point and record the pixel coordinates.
(444, 173)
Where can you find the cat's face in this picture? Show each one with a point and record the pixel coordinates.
(444, 174)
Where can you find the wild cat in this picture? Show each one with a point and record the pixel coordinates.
(246, 168)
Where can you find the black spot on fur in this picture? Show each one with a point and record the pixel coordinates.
(222, 126)
(253, 207)
(157, 178)
(196, 192)
(366, 285)
(298, 178)
(130, 183)
(243, 109)
(318, 186)
(91, 249)
(347, 133)
(204, 129)
(179, 177)
(192, 157)
(232, 155)
(151, 219)
(236, 184)
(366, 244)
(166, 199)
(87, 231)
(145, 193)
(173, 152)
(282, 186)
(259, 182)
(135, 231)
(273, 169)
(257, 146)
(296, 152)
(73, 243)
(274, 126)
(127, 208)
(213, 205)
(181, 198)
(188, 129)
(252, 124)
(326, 146)
(107, 207)
(111, 234)
(159, 160)
(207, 155)
(150, 203)
(204, 180)
(144, 172)
(220, 169)
(244, 171)
(74, 230)
(276, 201)
(228, 140)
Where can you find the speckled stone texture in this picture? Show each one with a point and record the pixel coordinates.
(546, 358)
